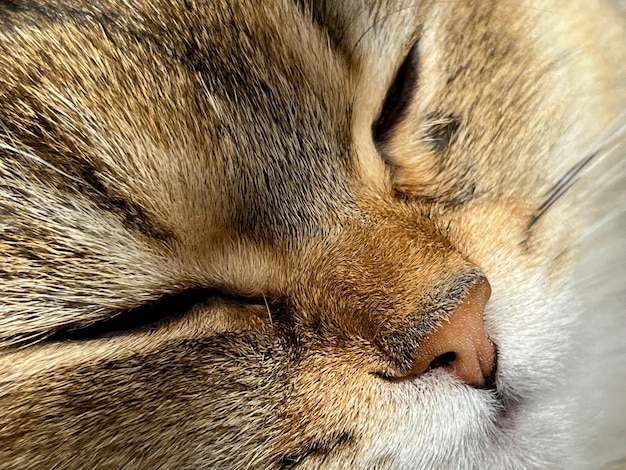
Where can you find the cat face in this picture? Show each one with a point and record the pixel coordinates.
(229, 230)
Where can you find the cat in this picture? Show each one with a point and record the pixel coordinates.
(312, 234)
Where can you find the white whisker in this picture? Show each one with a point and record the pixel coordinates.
(607, 219)
(34, 157)
(267, 307)
(607, 144)
(600, 274)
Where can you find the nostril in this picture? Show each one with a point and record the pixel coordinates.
(443, 360)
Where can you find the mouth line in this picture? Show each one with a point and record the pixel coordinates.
(508, 405)
(507, 413)
(491, 375)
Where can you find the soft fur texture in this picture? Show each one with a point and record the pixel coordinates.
(210, 258)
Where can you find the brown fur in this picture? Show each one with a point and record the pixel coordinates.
(218, 157)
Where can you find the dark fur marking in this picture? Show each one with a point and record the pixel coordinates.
(87, 172)
(458, 197)
(443, 131)
(315, 448)
(34, 13)
(313, 169)
(334, 26)
(11, 6)
(133, 215)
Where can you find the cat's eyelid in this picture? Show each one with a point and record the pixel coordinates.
(399, 95)
(151, 314)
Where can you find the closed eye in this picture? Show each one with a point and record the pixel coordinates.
(149, 316)
(398, 96)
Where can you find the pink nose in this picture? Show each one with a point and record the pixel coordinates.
(460, 344)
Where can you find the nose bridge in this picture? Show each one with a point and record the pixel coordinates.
(413, 297)
(390, 283)
(400, 260)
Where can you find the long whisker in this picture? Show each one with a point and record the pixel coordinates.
(610, 177)
(606, 220)
(562, 186)
(607, 144)
(37, 159)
